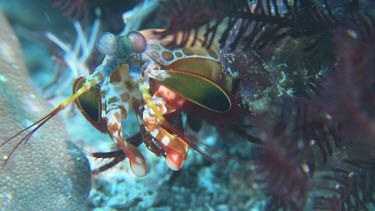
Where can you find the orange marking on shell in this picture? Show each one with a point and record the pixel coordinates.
(167, 55)
(155, 46)
(154, 54)
(178, 54)
(170, 97)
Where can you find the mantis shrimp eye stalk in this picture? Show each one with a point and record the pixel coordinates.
(108, 44)
(137, 41)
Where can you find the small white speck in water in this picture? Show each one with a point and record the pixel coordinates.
(5, 157)
(312, 142)
(301, 144)
(32, 96)
(15, 66)
(3, 78)
(352, 33)
(26, 123)
(31, 104)
(6, 196)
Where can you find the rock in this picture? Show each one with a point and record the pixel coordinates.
(49, 172)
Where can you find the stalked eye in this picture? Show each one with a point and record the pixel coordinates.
(108, 44)
(137, 41)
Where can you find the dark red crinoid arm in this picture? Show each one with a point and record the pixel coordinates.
(117, 156)
(76, 9)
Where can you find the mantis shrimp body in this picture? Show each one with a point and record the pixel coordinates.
(141, 72)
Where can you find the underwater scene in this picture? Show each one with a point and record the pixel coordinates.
(187, 105)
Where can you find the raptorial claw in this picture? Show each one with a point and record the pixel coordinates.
(176, 149)
(137, 161)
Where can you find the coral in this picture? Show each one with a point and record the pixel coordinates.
(143, 16)
(49, 172)
(75, 58)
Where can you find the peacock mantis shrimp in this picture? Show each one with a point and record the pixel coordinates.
(141, 72)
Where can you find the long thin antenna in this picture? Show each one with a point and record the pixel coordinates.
(85, 87)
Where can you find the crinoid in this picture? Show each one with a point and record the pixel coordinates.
(296, 141)
(77, 9)
(354, 107)
(258, 24)
(318, 144)
(304, 163)
(323, 149)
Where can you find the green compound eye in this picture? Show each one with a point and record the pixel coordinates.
(137, 41)
(108, 44)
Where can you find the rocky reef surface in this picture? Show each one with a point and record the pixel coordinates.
(49, 172)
